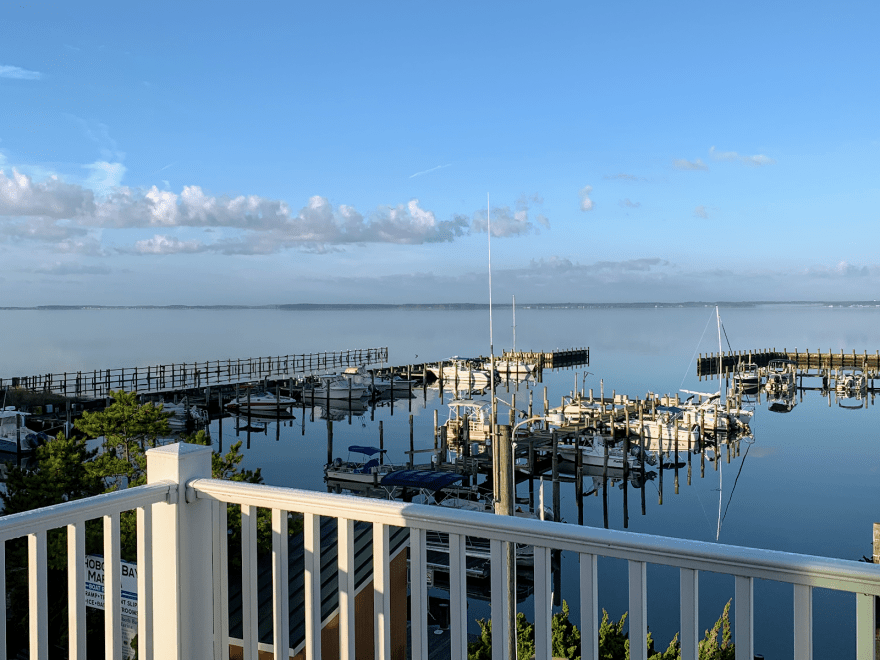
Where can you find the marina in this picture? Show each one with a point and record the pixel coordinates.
(677, 496)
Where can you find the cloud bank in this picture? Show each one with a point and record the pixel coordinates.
(74, 217)
(696, 165)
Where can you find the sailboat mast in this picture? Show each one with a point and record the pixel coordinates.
(717, 414)
(514, 325)
(494, 417)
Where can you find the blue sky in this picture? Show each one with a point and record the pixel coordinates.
(223, 153)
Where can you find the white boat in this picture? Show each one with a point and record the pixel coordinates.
(12, 427)
(182, 415)
(333, 387)
(382, 385)
(714, 415)
(669, 425)
(478, 413)
(851, 384)
(461, 375)
(747, 376)
(593, 454)
(780, 374)
(367, 470)
(261, 402)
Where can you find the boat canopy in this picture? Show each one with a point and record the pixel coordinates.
(427, 479)
(368, 451)
(675, 412)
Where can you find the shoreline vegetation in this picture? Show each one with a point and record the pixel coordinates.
(306, 307)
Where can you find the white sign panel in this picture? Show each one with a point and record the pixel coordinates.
(95, 597)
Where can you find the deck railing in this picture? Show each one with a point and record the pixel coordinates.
(182, 557)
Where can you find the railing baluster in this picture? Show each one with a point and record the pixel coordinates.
(2, 600)
(744, 623)
(38, 610)
(220, 564)
(638, 610)
(112, 589)
(418, 594)
(803, 622)
(145, 581)
(312, 584)
(457, 596)
(345, 567)
(76, 607)
(249, 600)
(689, 580)
(280, 597)
(589, 607)
(865, 621)
(543, 605)
(500, 624)
(382, 591)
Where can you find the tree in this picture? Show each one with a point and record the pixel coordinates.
(613, 642)
(128, 429)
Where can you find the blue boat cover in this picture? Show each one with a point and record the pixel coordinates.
(369, 451)
(428, 479)
(671, 409)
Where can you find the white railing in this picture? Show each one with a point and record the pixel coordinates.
(184, 587)
(34, 525)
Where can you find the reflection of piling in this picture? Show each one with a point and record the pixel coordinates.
(381, 443)
(557, 505)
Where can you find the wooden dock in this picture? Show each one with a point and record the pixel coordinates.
(708, 365)
(194, 375)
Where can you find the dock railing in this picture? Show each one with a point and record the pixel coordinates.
(185, 375)
(183, 570)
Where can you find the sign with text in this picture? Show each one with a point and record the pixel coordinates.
(94, 587)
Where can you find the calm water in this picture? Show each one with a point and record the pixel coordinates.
(808, 484)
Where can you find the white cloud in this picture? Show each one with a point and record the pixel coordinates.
(623, 177)
(105, 176)
(20, 196)
(701, 212)
(17, 73)
(586, 202)
(52, 210)
(758, 160)
(697, 165)
(626, 203)
(507, 222)
(166, 245)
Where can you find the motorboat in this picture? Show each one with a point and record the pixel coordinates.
(594, 451)
(263, 401)
(383, 385)
(469, 421)
(333, 386)
(747, 376)
(780, 374)
(367, 470)
(12, 428)
(669, 425)
(183, 415)
(708, 412)
(462, 374)
(852, 384)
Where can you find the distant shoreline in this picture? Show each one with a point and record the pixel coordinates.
(305, 307)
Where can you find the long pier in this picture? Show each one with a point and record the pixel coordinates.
(708, 365)
(193, 375)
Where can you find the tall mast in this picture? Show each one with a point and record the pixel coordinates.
(717, 414)
(514, 325)
(494, 417)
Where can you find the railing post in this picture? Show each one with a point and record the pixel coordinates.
(182, 573)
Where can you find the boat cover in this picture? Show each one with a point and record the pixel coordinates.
(369, 451)
(427, 479)
(671, 409)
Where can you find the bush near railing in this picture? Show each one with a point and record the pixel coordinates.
(613, 642)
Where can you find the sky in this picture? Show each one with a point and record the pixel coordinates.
(288, 152)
